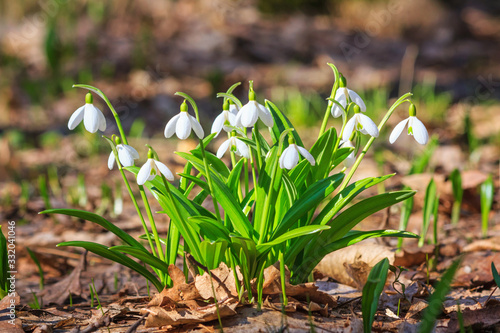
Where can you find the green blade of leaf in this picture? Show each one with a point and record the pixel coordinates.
(91, 217)
(143, 256)
(371, 293)
(118, 257)
(210, 228)
(298, 232)
(494, 272)
(281, 123)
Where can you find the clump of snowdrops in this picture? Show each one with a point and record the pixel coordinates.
(274, 201)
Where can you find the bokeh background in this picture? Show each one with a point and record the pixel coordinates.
(141, 52)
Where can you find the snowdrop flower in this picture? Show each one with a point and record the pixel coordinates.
(349, 160)
(415, 128)
(236, 145)
(224, 121)
(126, 154)
(252, 111)
(290, 156)
(92, 117)
(182, 124)
(359, 122)
(341, 97)
(151, 169)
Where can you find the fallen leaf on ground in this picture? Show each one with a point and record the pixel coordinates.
(478, 319)
(492, 244)
(351, 265)
(59, 292)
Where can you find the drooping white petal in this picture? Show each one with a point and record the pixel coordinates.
(183, 127)
(102, 120)
(349, 127)
(218, 124)
(231, 118)
(76, 118)
(170, 128)
(419, 131)
(164, 170)
(91, 118)
(306, 155)
(125, 157)
(233, 108)
(396, 132)
(131, 150)
(145, 172)
(198, 130)
(265, 115)
(223, 148)
(341, 98)
(111, 160)
(351, 158)
(357, 99)
(248, 114)
(290, 157)
(368, 124)
(242, 148)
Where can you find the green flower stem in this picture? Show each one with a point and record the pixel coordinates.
(153, 226)
(209, 180)
(282, 276)
(188, 236)
(330, 102)
(257, 142)
(267, 204)
(245, 170)
(233, 163)
(400, 101)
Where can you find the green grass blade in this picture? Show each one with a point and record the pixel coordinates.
(143, 256)
(494, 272)
(436, 300)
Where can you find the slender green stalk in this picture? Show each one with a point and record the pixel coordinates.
(282, 277)
(267, 205)
(245, 169)
(330, 102)
(487, 193)
(209, 180)
(188, 236)
(257, 142)
(347, 179)
(153, 228)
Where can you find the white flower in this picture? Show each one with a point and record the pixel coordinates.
(239, 147)
(341, 98)
(92, 117)
(415, 128)
(182, 124)
(362, 123)
(349, 160)
(251, 112)
(151, 169)
(223, 121)
(290, 156)
(126, 154)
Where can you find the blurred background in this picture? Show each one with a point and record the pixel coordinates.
(141, 52)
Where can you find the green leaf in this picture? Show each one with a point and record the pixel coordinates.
(294, 233)
(4, 267)
(91, 217)
(437, 298)
(345, 196)
(371, 293)
(233, 181)
(430, 198)
(307, 202)
(213, 252)
(456, 185)
(118, 257)
(322, 151)
(281, 123)
(143, 256)
(210, 228)
(494, 272)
